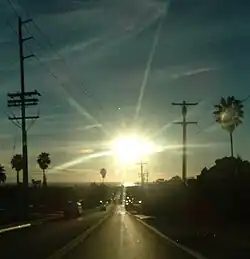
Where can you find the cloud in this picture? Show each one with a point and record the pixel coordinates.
(194, 72)
(89, 127)
(104, 25)
(77, 171)
(79, 46)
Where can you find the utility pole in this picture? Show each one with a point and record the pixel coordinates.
(23, 99)
(142, 172)
(184, 124)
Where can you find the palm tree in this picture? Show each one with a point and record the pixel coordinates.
(17, 164)
(103, 173)
(44, 161)
(228, 113)
(2, 174)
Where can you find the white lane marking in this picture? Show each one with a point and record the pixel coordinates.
(3, 230)
(26, 225)
(72, 244)
(184, 248)
(143, 217)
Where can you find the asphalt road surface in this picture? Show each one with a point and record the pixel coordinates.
(121, 236)
(42, 240)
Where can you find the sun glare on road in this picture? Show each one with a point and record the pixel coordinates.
(131, 149)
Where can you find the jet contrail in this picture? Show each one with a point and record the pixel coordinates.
(150, 59)
(85, 113)
(80, 160)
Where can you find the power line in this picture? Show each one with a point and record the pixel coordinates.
(49, 44)
(204, 129)
(246, 99)
(13, 7)
(66, 64)
(52, 74)
(84, 90)
(61, 58)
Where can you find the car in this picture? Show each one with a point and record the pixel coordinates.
(72, 209)
(102, 207)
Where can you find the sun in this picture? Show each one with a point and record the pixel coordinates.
(131, 149)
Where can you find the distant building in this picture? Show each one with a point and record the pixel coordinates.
(160, 180)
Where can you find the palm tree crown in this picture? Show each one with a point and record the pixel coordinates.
(103, 173)
(44, 161)
(229, 113)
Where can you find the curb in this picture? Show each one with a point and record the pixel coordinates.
(3, 230)
(75, 242)
(182, 247)
(20, 225)
(27, 224)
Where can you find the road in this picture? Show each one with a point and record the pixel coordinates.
(42, 240)
(121, 236)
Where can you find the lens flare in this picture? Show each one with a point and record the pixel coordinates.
(131, 149)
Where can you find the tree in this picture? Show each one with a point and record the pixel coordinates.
(103, 173)
(228, 113)
(17, 164)
(176, 179)
(2, 174)
(43, 160)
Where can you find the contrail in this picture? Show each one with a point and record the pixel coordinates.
(150, 59)
(80, 160)
(85, 113)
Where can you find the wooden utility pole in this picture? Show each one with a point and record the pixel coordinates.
(184, 124)
(142, 173)
(23, 99)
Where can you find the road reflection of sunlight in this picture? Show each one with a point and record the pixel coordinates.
(122, 225)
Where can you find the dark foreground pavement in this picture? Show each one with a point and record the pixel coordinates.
(42, 240)
(122, 236)
(227, 243)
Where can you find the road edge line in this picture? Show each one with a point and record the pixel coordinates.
(191, 252)
(76, 241)
(4, 230)
(27, 224)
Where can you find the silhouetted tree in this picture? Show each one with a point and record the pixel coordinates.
(176, 179)
(226, 185)
(17, 164)
(103, 173)
(43, 160)
(228, 113)
(2, 174)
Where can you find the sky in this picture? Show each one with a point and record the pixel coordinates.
(107, 68)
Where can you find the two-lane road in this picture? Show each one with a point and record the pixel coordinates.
(121, 236)
(42, 240)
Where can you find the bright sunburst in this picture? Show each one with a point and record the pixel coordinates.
(131, 149)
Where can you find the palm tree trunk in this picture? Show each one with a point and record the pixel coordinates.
(17, 177)
(44, 179)
(231, 143)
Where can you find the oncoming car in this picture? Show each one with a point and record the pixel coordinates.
(72, 209)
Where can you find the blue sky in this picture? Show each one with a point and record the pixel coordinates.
(194, 50)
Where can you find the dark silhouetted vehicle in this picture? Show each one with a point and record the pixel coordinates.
(72, 209)
(103, 207)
